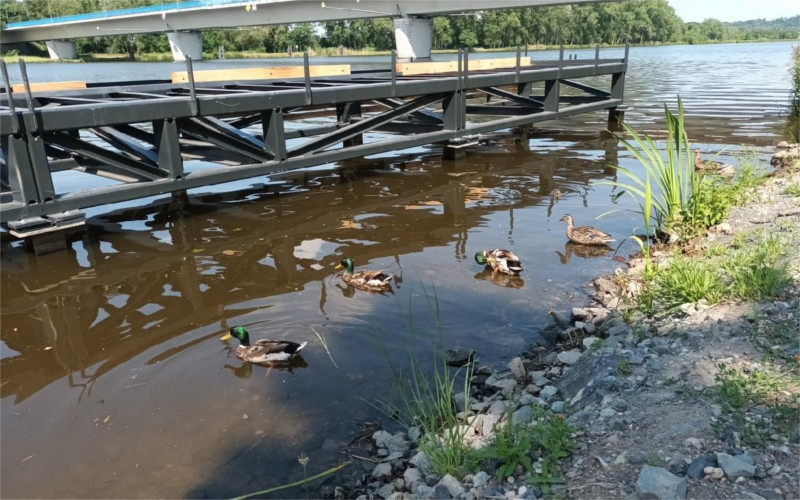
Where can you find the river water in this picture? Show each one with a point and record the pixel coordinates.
(114, 381)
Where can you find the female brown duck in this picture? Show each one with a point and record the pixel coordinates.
(585, 235)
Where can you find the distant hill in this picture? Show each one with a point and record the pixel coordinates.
(787, 23)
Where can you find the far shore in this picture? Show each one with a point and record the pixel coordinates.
(334, 52)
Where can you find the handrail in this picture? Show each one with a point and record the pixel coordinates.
(165, 8)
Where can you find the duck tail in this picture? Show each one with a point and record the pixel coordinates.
(300, 347)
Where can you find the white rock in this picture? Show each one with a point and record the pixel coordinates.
(453, 485)
(381, 439)
(517, 368)
(589, 342)
(480, 479)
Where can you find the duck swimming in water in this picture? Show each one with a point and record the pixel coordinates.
(371, 281)
(500, 260)
(711, 166)
(585, 235)
(264, 350)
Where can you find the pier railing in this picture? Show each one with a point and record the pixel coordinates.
(148, 137)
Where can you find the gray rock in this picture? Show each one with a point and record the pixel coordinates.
(558, 407)
(421, 462)
(661, 345)
(459, 356)
(480, 479)
(453, 485)
(393, 456)
(385, 491)
(654, 364)
(657, 483)
(533, 389)
(589, 342)
(582, 381)
(440, 492)
(517, 368)
(382, 471)
(734, 467)
(412, 475)
(636, 359)
(608, 412)
(414, 433)
(460, 401)
(747, 458)
(505, 385)
(522, 416)
(698, 464)
(398, 444)
(569, 357)
(424, 491)
(381, 439)
(497, 408)
(548, 392)
(619, 331)
(578, 313)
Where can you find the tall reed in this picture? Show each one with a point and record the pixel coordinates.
(664, 192)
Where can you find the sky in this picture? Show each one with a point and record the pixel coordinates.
(734, 10)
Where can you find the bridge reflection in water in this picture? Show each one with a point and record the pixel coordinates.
(165, 279)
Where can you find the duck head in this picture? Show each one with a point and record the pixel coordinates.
(480, 258)
(567, 218)
(346, 263)
(240, 333)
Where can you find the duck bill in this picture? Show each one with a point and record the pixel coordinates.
(226, 336)
(339, 266)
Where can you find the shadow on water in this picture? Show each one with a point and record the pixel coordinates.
(184, 269)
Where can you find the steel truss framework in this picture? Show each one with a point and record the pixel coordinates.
(140, 133)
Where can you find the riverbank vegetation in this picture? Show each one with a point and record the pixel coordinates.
(641, 22)
(793, 121)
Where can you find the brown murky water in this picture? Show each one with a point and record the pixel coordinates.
(114, 381)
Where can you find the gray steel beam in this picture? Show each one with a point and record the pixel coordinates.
(207, 127)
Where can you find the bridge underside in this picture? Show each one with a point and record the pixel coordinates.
(210, 14)
(159, 137)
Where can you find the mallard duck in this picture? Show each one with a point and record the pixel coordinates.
(501, 261)
(710, 166)
(585, 235)
(372, 281)
(264, 350)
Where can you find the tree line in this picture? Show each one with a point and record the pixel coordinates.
(636, 22)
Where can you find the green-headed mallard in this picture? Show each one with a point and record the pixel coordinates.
(711, 166)
(500, 260)
(372, 281)
(264, 350)
(585, 235)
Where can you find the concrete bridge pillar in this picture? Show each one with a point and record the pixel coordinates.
(414, 38)
(61, 49)
(186, 43)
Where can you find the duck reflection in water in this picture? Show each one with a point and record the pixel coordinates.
(245, 370)
(500, 279)
(582, 251)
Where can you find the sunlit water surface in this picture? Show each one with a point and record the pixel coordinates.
(115, 383)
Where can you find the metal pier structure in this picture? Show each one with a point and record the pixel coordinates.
(147, 136)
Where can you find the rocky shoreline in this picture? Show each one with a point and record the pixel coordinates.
(640, 393)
